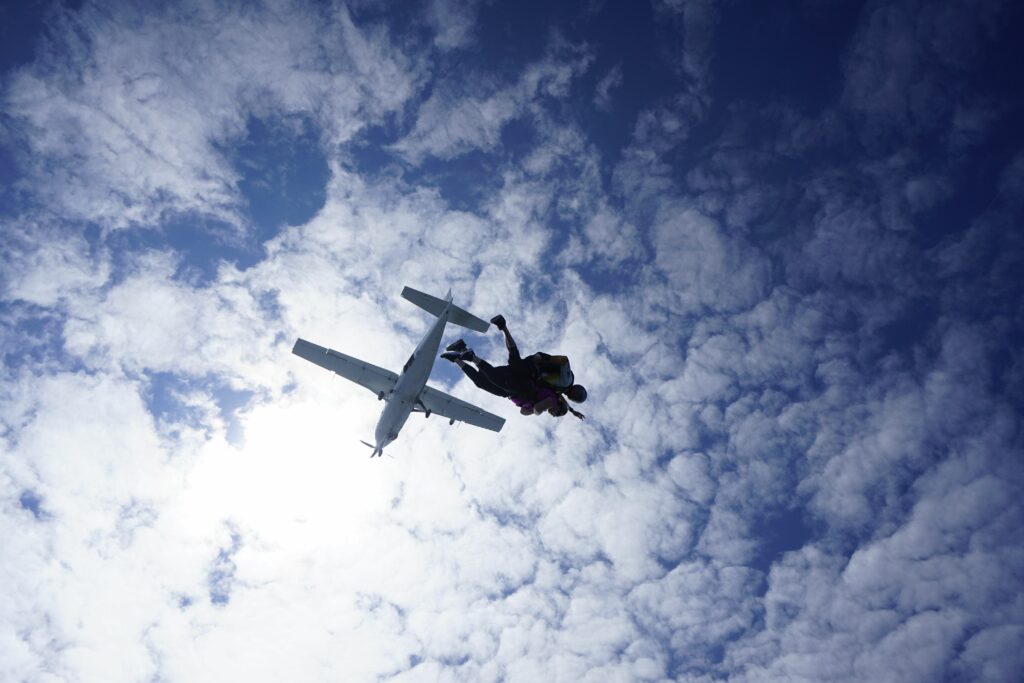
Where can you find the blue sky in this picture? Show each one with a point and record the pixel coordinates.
(780, 243)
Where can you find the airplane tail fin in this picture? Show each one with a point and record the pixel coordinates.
(376, 451)
(436, 306)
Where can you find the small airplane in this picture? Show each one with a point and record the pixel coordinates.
(408, 392)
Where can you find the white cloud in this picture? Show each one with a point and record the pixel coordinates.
(703, 266)
(904, 73)
(149, 321)
(471, 115)
(130, 129)
(608, 82)
(445, 131)
(697, 20)
(454, 23)
(993, 654)
(42, 266)
(643, 173)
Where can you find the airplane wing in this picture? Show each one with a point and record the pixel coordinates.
(454, 409)
(373, 378)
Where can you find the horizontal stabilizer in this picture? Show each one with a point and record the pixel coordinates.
(376, 451)
(436, 306)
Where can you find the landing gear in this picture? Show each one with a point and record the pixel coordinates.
(422, 408)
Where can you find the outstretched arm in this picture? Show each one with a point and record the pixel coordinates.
(510, 344)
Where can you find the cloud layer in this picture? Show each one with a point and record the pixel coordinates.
(798, 327)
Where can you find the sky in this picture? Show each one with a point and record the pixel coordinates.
(780, 242)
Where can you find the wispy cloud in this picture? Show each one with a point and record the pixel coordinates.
(128, 129)
(696, 20)
(454, 23)
(608, 82)
(469, 114)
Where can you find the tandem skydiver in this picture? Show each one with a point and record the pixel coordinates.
(536, 384)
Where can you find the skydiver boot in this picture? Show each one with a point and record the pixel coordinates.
(458, 346)
(459, 357)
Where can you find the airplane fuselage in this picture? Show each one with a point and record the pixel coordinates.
(407, 392)
(403, 398)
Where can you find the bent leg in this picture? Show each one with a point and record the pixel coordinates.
(478, 378)
(505, 377)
